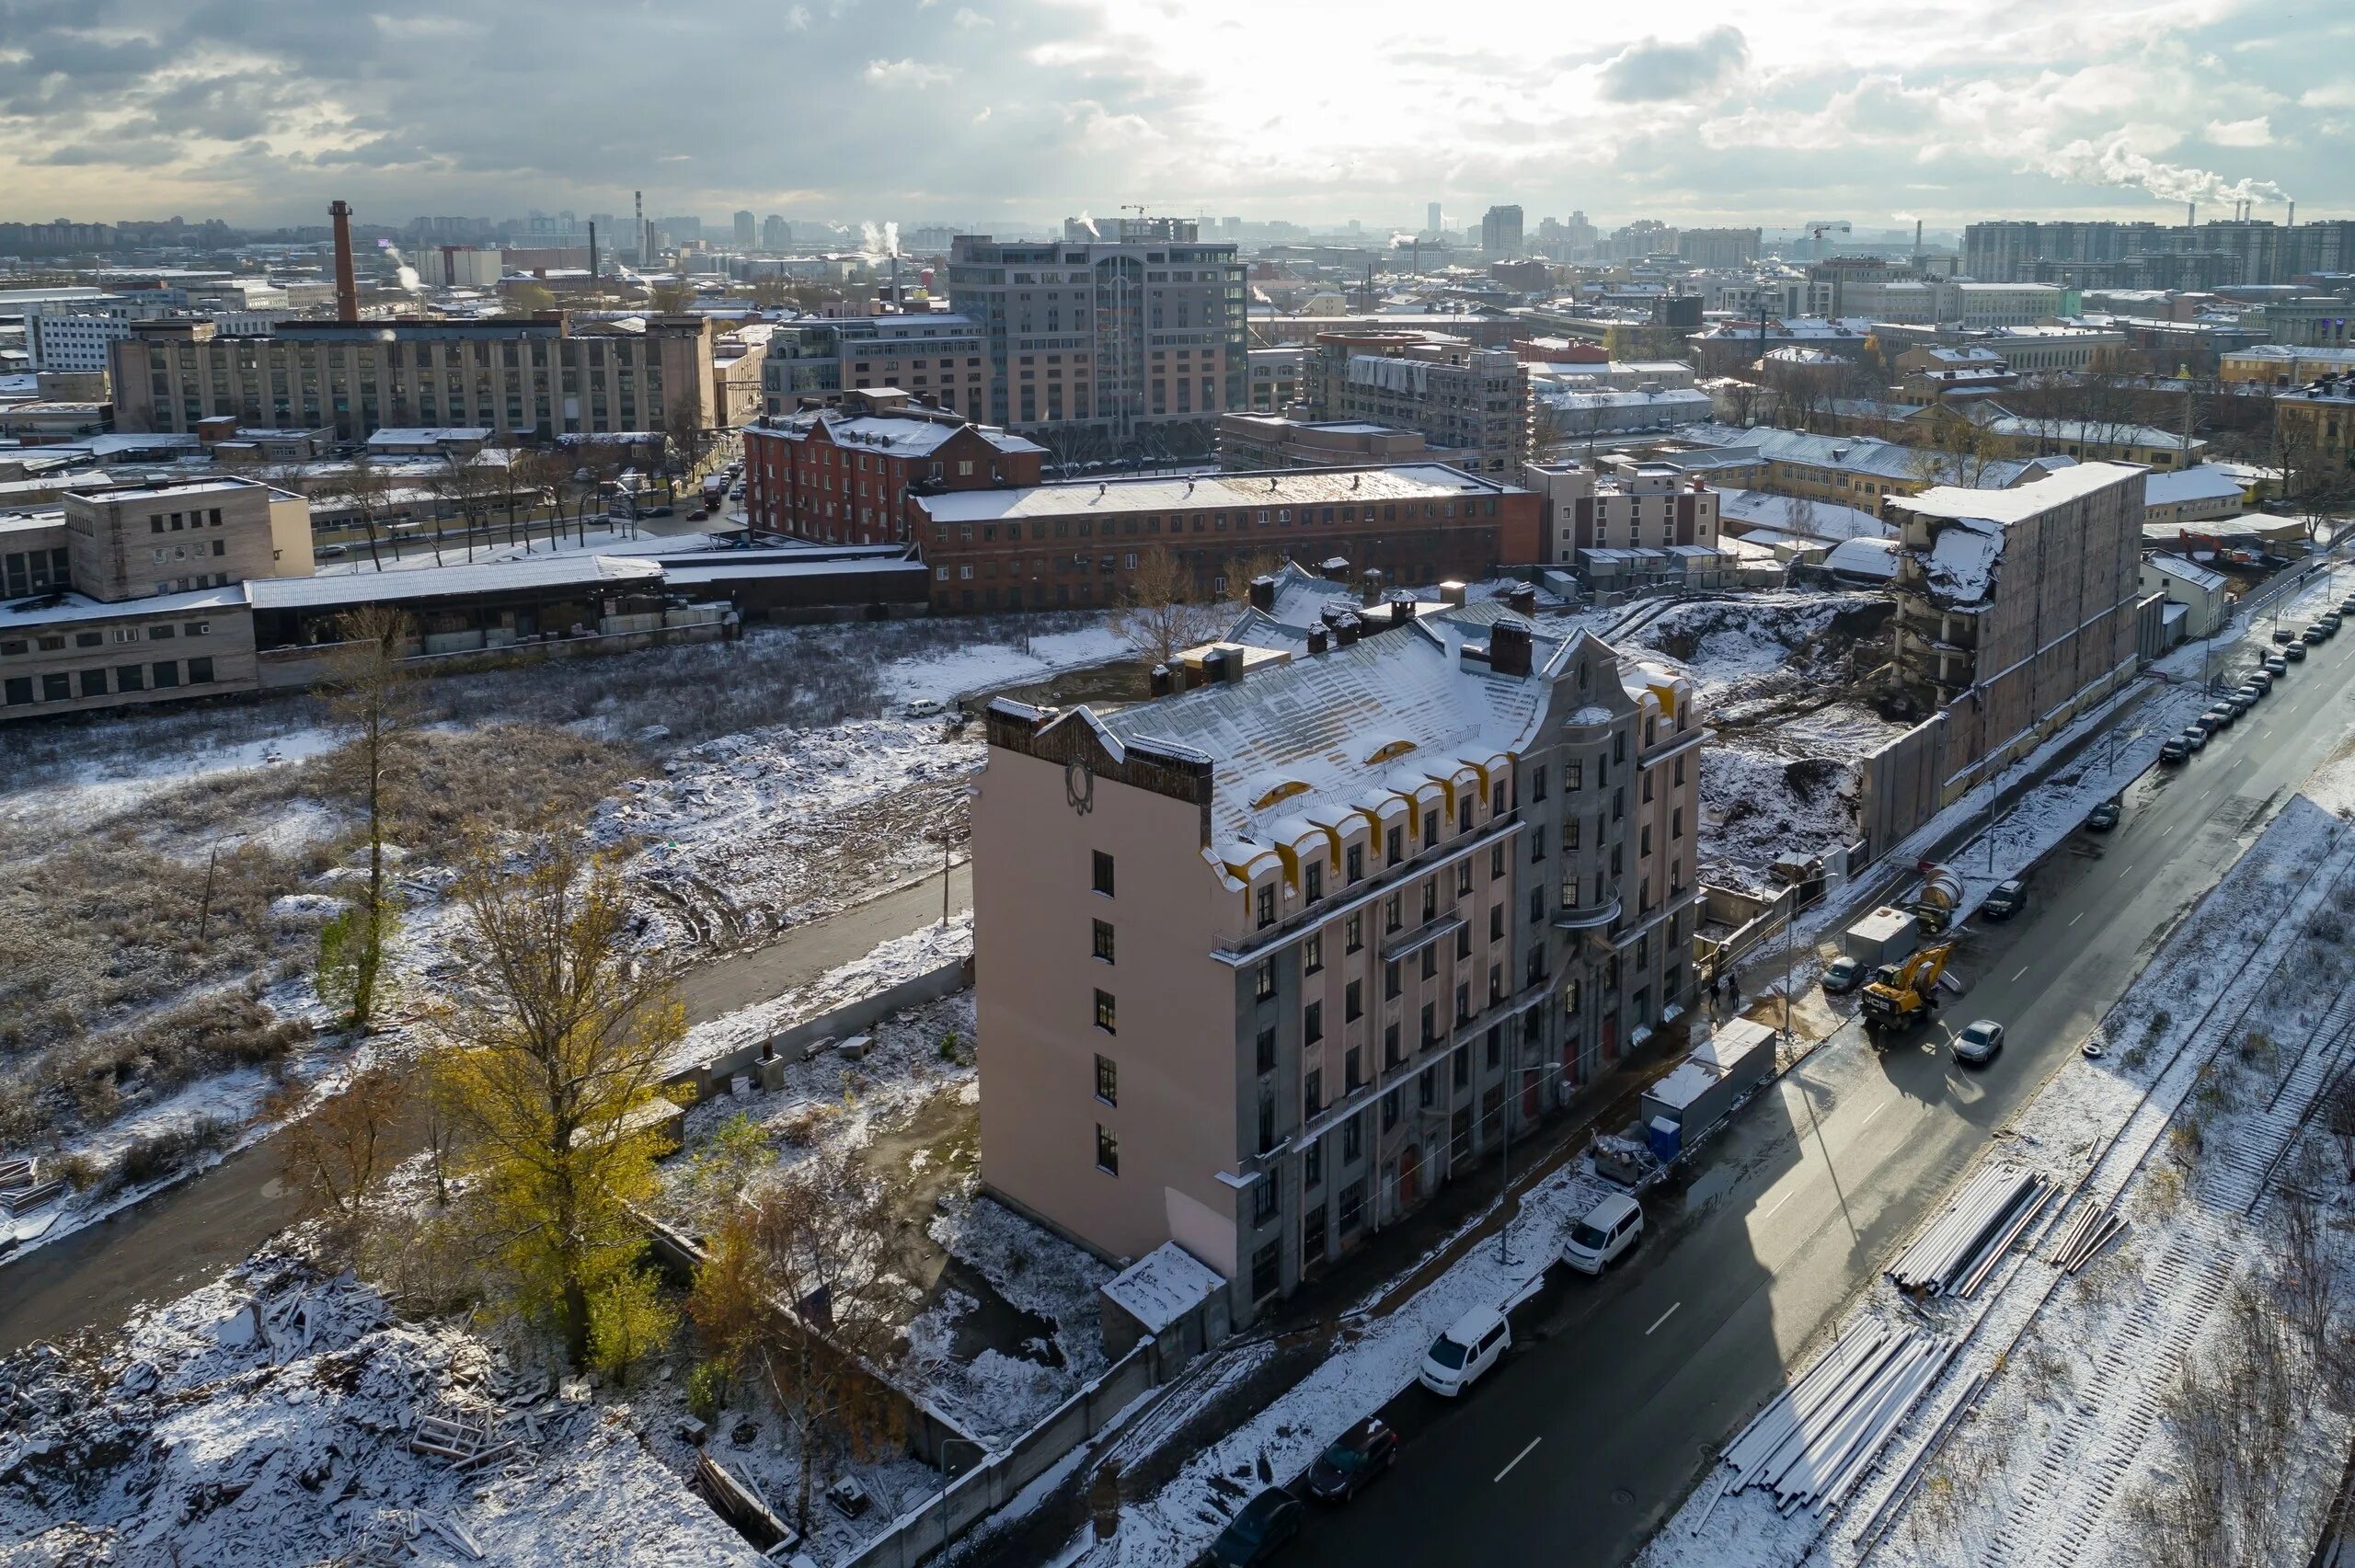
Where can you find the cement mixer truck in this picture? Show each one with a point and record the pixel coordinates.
(1935, 902)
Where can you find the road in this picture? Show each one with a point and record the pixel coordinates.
(1619, 1389)
(148, 1252)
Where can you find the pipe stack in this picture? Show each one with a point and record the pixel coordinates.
(1956, 1253)
(2082, 1238)
(1818, 1438)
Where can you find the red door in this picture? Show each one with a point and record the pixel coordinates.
(1410, 1160)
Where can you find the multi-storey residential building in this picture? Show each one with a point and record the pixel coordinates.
(2015, 607)
(1471, 404)
(846, 475)
(1266, 963)
(1248, 441)
(1279, 378)
(2238, 251)
(1621, 503)
(1718, 247)
(2314, 321)
(1079, 542)
(2318, 421)
(939, 358)
(2282, 364)
(1501, 232)
(1103, 348)
(545, 376)
(1857, 471)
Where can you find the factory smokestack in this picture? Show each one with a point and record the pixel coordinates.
(2190, 213)
(2291, 220)
(347, 287)
(592, 258)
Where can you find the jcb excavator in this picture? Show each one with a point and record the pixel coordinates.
(1902, 995)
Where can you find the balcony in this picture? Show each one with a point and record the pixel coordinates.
(1587, 913)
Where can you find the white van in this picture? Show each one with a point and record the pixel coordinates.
(1473, 1345)
(1610, 1228)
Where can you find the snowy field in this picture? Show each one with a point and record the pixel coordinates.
(749, 786)
(2187, 1123)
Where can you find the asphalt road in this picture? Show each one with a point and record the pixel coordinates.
(1619, 1389)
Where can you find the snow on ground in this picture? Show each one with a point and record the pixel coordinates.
(1370, 1362)
(900, 959)
(2076, 1368)
(262, 1419)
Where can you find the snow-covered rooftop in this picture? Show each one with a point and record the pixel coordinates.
(1205, 492)
(2185, 571)
(1162, 1287)
(2176, 485)
(423, 582)
(1795, 514)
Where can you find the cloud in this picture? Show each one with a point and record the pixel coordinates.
(2257, 132)
(1651, 70)
(907, 74)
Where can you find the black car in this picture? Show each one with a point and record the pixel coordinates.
(2284, 636)
(2314, 635)
(2008, 899)
(2175, 751)
(1364, 1452)
(2103, 816)
(1842, 976)
(1266, 1523)
(2295, 653)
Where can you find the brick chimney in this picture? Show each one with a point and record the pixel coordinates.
(1263, 595)
(347, 287)
(1523, 601)
(1509, 647)
(1317, 640)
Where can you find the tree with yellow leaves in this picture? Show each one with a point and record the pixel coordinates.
(552, 1076)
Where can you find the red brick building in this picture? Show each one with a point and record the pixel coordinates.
(846, 475)
(1077, 544)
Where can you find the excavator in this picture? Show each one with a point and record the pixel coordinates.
(1903, 995)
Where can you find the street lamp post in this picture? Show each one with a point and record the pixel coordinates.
(947, 1444)
(1504, 1193)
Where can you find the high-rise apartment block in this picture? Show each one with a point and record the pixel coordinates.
(1471, 404)
(1266, 963)
(775, 233)
(746, 236)
(1108, 347)
(938, 357)
(1718, 247)
(1500, 233)
(2217, 254)
(544, 376)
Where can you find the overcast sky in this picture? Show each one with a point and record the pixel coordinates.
(1772, 112)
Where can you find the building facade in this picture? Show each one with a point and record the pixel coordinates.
(1620, 503)
(1080, 542)
(1470, 404)
(2016, 605)
(939, 358)
(536, 378)
(1500, 233)
(848, 476)
(1270, 962)
(1103, 349)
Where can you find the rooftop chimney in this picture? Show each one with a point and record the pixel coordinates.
(1509, 647)
(1317, 640)
(1162, 683)
(1523, 601)
(346, 287)
(1345, 630)
(1263, 595)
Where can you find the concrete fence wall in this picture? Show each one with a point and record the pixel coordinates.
(993, 1482)
(307, 666)
(798, 1041)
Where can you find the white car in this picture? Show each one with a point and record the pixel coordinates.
(1474, 1342)
(1610, 1229)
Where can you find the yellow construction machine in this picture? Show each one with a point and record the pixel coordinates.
(1902, 995)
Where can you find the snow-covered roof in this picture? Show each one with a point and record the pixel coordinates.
(421, 435)
(1162, 1287)
(54, 610)
(425, 583)
(899, 437)
(1794, 514)
(1309, 743)
(2204, 483)
(1205, 492)
(2097, 432)
(1857, 454)
(1960, 563)
(1864, 558)
(2185, 571)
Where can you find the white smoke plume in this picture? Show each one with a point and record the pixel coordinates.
(1088, 223)
(407, 274)
(878, 239)
(2115, 163)
(1401, 240)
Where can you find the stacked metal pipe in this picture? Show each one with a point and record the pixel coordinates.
(1818, 1438)
(1954, 1254)
(2082, 1238)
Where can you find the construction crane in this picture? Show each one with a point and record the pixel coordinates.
(1904, 995)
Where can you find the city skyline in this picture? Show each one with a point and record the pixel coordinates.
(1006, 112)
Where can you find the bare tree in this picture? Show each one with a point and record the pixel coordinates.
(470, 487)
(1954, 449)
(369, 687)
(2338, 1117)
(1165, 614)
(2306, 1280)
(366, 492)
(806, 1286)
(337, 1157)
(2230, 1414)
(682, 430)
(555, 1067)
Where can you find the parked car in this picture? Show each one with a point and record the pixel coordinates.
(2260, 679)
(2103, 818)
(1362, 1452)
(2241, 701)
(1610, 1231)
(1842, 976)
(661, 511)
(2329, 620)
(2196, 738)
(1472, 1344)
(698, 515)
(1976, 1043)
(2313, 635)
(2295, 653)
(2275, 664)
(2211, 721)
(2008, 899)
(1264, 1524)
(2175, 751)
(2284, 636)
(2347, 605)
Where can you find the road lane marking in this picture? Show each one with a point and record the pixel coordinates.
(2023, 969)
(2078, 916)
(1871, 1114)
(1656, 1322)
(1516, 1459)
(1778, 1204)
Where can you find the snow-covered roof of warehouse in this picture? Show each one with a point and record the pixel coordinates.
(1202, 492)
(2005, 507)
(909, 436)
(2197, 575)
(1795, 514)
(2203, 483)
(427, 582)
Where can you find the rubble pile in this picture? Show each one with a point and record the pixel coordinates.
(280, 1416)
